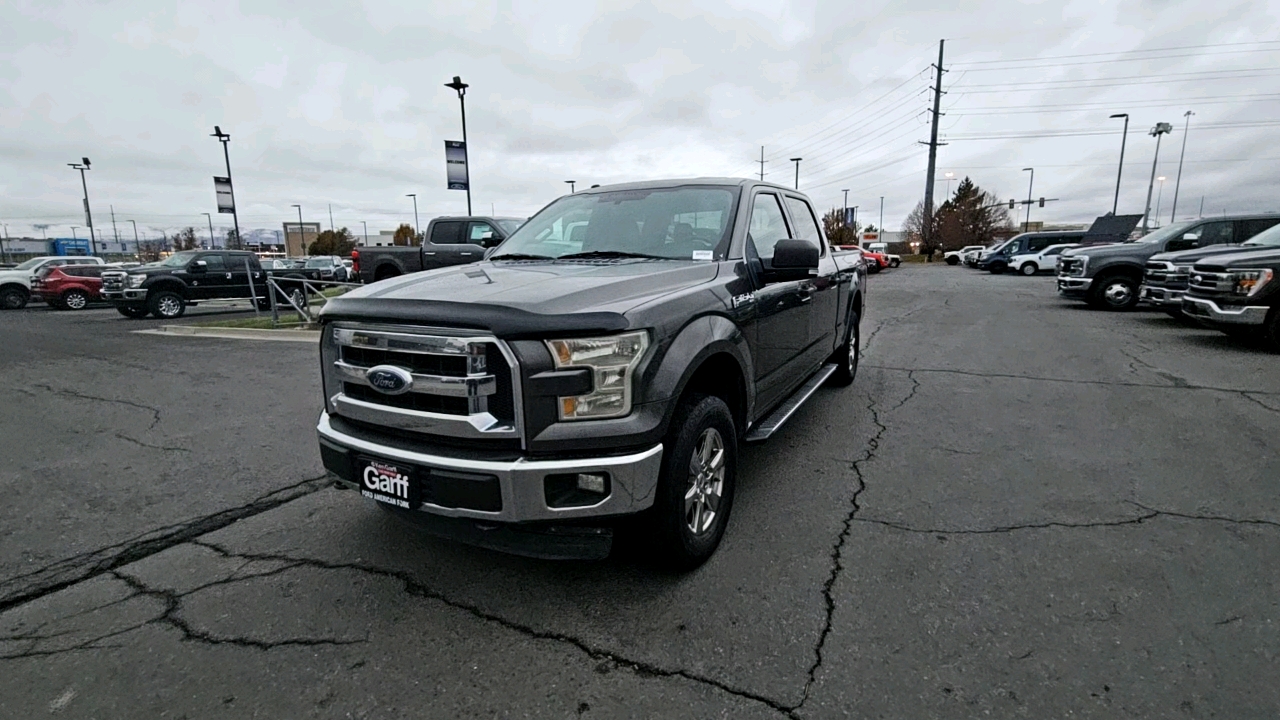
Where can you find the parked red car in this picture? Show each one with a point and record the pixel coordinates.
(70, 287)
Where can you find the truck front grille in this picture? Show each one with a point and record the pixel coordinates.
(1210, 283)
(462, 386)
(113, 280)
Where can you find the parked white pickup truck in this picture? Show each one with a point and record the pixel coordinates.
(15, 283)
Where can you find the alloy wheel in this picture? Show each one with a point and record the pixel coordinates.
(75, 300)
(706, 483)
(169, 306)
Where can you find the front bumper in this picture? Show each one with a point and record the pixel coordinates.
(1073, 286)
(1161, 297)
(633, 478)
(127, 296)
(1210, 313)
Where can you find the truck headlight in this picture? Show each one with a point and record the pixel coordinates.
(612, 361)
(137, 280)
(1249, 282)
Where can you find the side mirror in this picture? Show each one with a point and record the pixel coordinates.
(199, 266)
(1190, 236)
(792, 260)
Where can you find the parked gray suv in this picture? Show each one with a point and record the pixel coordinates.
(1110, 276)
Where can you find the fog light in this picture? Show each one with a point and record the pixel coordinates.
(591, 482)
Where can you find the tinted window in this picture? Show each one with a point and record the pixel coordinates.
(236, 262)
(1249, 228)
(1036, 243)
(214, 263)
(1216, 233)
(767, 225)
(806, 223)
(447, 232)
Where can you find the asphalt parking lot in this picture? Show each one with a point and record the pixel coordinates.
(1021, 508)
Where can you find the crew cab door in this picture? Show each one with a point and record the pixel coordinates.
(455, 242)
(207, 276)
(822, 290)
(782, 308)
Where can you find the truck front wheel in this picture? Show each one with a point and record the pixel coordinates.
(166, 305)
(1114, 292)
(695, 491)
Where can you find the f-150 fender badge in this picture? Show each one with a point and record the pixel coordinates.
(743, 299)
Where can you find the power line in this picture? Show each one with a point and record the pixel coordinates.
(1082, 133)
(799, 143)
(1008, 88)
(1116, 60)
(963, 63)
(1111, 103)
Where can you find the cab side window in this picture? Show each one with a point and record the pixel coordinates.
(1249, 228)
(1216, 233)
(446, 232)
(767, 226)
(806, 224)
(1036, 244)
(476, 232)
(214, 263)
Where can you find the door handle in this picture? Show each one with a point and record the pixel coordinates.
(428, 252)
(466, 253)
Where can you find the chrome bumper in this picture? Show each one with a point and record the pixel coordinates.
(1071, 285)
(126, 295)
(1161, 296)
(1208, 310)
(633, 478)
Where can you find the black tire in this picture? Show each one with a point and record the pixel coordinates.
(997, 268)
(166, 304)
(132, 312)
(953, 260)
(14, 297)
(1271, 332)
(74, 300)
(699, 419)
(894, 263)
(847, 355)
(873, 267)
(386, 272)
(1114, 292)
(1029, 269)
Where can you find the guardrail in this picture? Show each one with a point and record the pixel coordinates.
(297, 292)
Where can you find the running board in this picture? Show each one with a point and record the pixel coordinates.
(770, 425)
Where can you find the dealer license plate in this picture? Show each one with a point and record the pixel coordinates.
(387, 483)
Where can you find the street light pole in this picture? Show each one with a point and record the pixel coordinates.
(225, 138)
(1157, 131)
(797, 162)
(212, 243)
(366, 232)
(1123, 137)
(88, 215)
(73, 227)
(844, 211)
(461, 87)
(573, 187)
(1159, 194)
(950, 176)
(1178, 183)
(415, 211)
(1026, 227)
(302, 236)
(881, 216)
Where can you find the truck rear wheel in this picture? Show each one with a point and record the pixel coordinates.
(131, 312)
(695, 490)
(846, 357)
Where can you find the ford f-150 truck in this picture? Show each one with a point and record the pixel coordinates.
(1239, 294)
(1168, 274)
(1110, 276)
(449, 241)
(603, 363)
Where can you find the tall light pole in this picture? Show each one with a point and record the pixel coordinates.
(73, 227)
(881, 216)
(302, 236)
(366, 232)
(855, 218)
(1159, 194)
(572, 186)
(415, 211)
(1157, 131)
(225, 138)
(212, 243)
(88, 215)
(950, 176)
(844, 211)
(1178, 183)
(1026, 227)
(1123, 137)
(461, 87)
(797, 162)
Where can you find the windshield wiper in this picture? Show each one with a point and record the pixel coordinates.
(610, 254)
(520, 256)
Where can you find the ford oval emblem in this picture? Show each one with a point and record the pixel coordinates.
(389, 379)
(1197, 278)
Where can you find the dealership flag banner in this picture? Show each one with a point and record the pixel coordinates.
(455, 161)
(222, 188)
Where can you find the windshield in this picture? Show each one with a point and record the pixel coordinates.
(509, 226)
(178, 259)
(669, 223)
(321, 262)
(1164, 233)
(29, 264)
(1267, 238)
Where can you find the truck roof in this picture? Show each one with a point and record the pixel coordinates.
(677, 182)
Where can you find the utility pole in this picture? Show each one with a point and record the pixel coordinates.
(330, 217)
(88, 216)
(1157, 131)
(844, 211)
(1123, 137)
(1201, 213)
(1174, 215)
(113, 223)
(855, 218)
(137, 246)
(1026, 227)
(302, 235)
(797, 162)
(926, 228)
(415, 210)
(761, 163)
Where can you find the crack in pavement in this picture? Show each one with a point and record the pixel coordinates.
(64, 573)
(896, 319)
(1073, 381)
(416, 589)
(1246, 394)
(1148, 514)
(155, 412)
(1174, 380)
(140, 443)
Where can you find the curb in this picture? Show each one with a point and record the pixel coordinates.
(308, 336)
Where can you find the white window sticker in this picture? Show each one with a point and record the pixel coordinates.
(703, 255)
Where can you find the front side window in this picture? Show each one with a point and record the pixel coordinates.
(476, 232)
(767, 225)
(1217, 233)
(806, 224)
(214, 263)
(670, 223)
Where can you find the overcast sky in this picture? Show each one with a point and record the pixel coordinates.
(345, 105)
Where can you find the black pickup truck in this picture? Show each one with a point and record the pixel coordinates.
(165, 289)
(1239, 294)
(603, 363)
(449, 241)
(1168, 274)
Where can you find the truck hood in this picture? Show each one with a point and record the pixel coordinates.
(1190, 257)
(522, 298)
(1133, 249)
(14, 275)
(1262, 258)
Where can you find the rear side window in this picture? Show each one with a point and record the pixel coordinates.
(214, 263)
(446, 232)
(1037, 243)
(806, 224)
(1249, 228)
